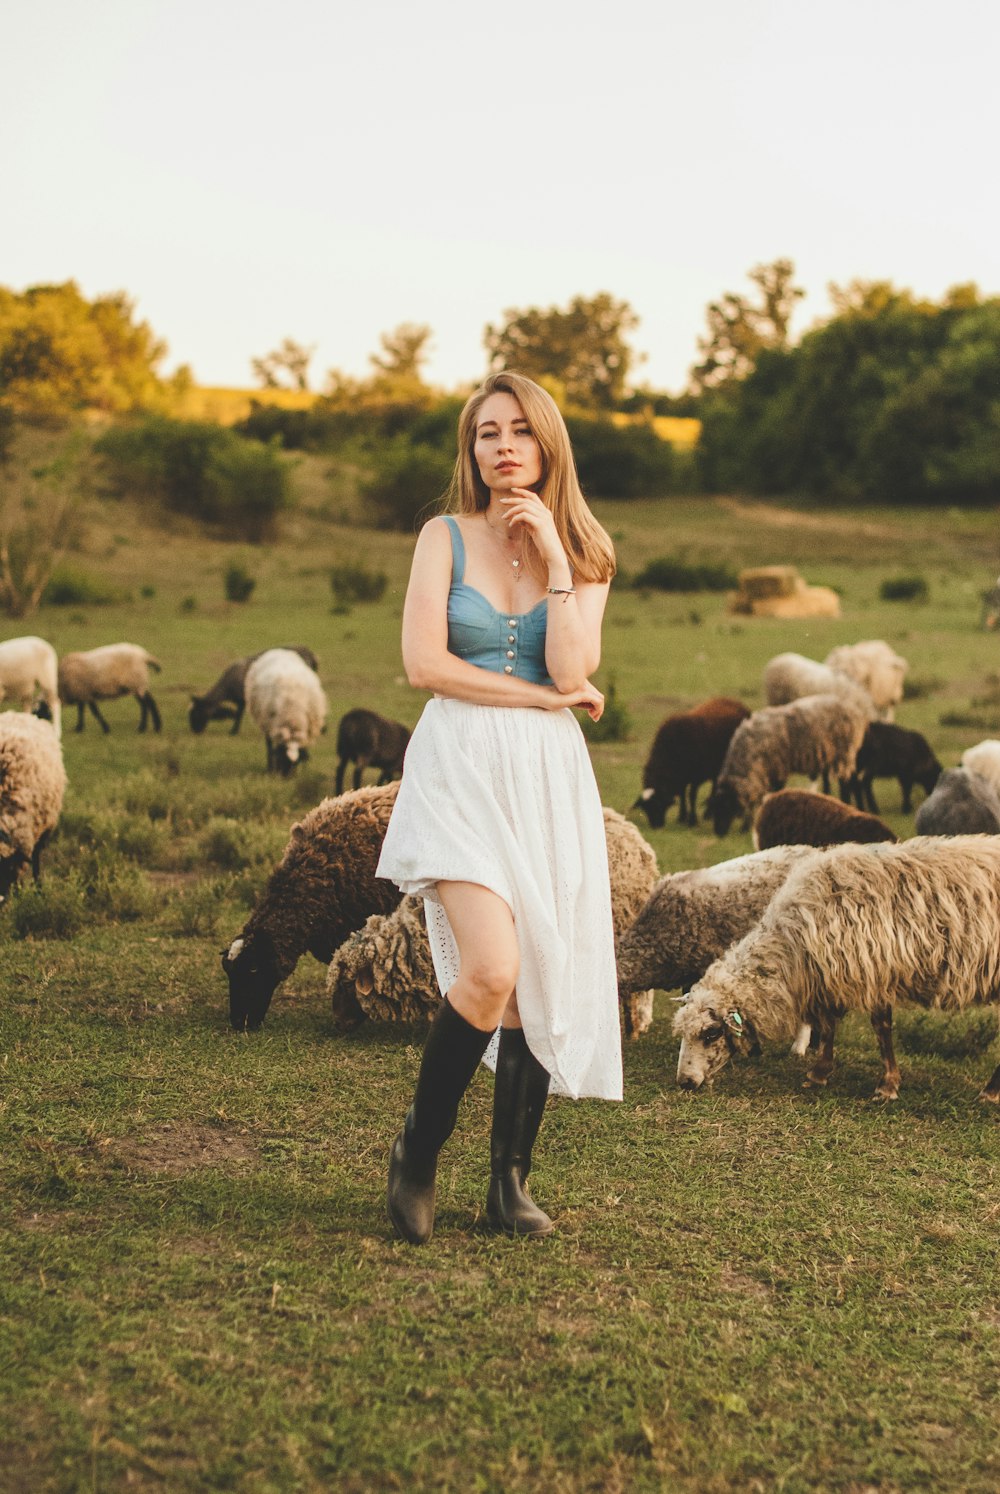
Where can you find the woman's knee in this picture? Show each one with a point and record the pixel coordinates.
(491, 982)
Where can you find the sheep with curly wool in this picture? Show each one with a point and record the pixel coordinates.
(874, 666)
(384, 971)
(798, 817)
(854, 928)
(323, 888)
(688, 750)
(816, 736)
(32, 785)
(984, 759)
(285, 699)
(961, 803)
(789, 677)
(29, 672)
(226, 699)
(107, 673)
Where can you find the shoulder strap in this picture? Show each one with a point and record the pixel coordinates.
(457, 549)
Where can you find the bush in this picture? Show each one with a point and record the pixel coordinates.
(196, 911)
(670, 573)
(55, 909)
(904, 589)
(67, 587)
(353, 582)
(621, 461)
(615, 724)
(238, 583)
(407, 481)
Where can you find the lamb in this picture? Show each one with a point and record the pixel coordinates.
(962, 803)
(105, 674)
(687, 751)
(369, 740)
(890, 751)
(323, 888)
(876, 667)
(854, 928)
(797, 817)
(789, 677)
(286, 701)
(984, 759)
(226, 700)
(384, 971)
(817, 735)
(32, 785)
(29, 671)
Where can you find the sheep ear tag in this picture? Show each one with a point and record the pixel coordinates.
(735, 1022)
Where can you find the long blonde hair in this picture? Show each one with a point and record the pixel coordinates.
(588, 545)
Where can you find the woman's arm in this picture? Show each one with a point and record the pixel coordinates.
(429, 665)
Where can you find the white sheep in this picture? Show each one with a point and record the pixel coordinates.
(106, 673)
(876, 668)
(984, 759)
(854, 928)
(789, 677)
(286, 700)
(32, 785)
(29, 672)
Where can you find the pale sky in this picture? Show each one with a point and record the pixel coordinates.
(324, 171)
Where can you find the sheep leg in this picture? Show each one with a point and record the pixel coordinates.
(80, 710)
(869, 794)
(341, 769)
(154, 711)
(103, 724)
(270, 755)
(237, 720)
(991, 1094)
(824, 1030)
(906, 784)
(359, 768)
(36, 856)
(888, 1089)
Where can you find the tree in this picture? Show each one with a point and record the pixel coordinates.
(404, 351)
(583, 348)
(286, 368)
(739, 330)
(39, 513)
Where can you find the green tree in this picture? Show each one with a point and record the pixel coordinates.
(403, 354)
(286, 368)
(741, 328)
(583, 348)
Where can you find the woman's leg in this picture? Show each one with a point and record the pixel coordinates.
(482, 926)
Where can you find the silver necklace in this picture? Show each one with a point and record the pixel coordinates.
(516, 562)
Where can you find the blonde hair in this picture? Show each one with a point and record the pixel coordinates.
(588, 546)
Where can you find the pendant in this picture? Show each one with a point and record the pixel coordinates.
(517, 569)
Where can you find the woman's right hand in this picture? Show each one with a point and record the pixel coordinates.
(587, 698)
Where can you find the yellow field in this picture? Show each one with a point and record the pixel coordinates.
(227, 406)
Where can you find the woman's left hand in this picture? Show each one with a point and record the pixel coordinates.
(525, 510)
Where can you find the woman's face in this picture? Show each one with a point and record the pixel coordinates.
(506, 452)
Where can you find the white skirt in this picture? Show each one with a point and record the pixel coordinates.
(505, 797)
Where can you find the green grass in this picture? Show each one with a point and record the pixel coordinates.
(758, 1288)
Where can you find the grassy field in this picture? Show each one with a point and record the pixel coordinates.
(761, 1288)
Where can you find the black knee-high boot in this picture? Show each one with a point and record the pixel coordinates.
(452, 1054)
(522, 1086)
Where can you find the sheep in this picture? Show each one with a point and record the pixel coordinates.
(32, 785)
(369, 740)
(29, 671)
(962, 803)
(853, 929)
(687, 751)
(226, 700)
(984, 759)
(817, 735)
(874, 666)
(286, 701)
(323, 888)
(789, 677)
(104, 674)
(797, 817)
(384, 970)
(890, 751)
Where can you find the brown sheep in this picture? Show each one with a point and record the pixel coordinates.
(797, 817)
(687, 751)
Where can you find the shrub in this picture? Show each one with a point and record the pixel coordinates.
(196, 911)
(352, 582)
(238, 583)
(54, 909)
(670, 573)
(615, 723)
(407, 481)
(233, 844)
(621, 461)
(67, 587)
(904, 589)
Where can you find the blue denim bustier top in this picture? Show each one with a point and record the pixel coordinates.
(506, 642)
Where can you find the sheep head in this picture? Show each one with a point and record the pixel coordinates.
(656, 803)
(709, 1035)
(724, 806)
(251, 967)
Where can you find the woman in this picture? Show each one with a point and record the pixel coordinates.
(498, 823)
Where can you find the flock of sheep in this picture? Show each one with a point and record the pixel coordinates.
(830, 914)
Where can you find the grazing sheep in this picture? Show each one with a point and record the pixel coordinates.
(789, 677)
(286, 701)
(984, 759)
(962, 803)
(105, 674)
(32, 785)
(853, 929)
(226, 700)
(29, 671)
(370, 741)
(876, 668)
(798, 817)
(890, 751)
(817, 735)
(323, 888)
(687, 751)
(384, 970)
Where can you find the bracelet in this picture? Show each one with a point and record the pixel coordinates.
(561, 591)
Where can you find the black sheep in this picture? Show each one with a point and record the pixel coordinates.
(226, 699)
(688, 750)
(890, 751)
(370, 741)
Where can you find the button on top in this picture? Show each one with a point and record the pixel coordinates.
(512, 622)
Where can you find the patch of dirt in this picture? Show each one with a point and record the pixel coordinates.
(181, 1147)
(746, 1286)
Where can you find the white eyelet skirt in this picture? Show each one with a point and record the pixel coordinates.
(505, 797)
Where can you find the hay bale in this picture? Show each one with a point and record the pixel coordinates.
(762, 582)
